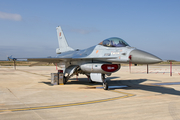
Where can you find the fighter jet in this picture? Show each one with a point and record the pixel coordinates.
(96, 62)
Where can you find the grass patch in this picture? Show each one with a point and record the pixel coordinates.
(23, 63)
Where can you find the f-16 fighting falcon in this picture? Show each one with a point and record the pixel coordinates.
(96, 62)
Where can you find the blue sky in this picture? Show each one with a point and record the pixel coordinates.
(28, 27)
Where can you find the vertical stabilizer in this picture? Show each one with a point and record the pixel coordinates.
(63, 45)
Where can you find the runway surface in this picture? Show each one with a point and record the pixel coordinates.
(27, 93)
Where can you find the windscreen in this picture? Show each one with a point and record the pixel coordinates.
(114, 42)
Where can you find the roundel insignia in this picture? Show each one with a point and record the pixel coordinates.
(60, 34)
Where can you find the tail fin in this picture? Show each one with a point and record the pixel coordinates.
(63, 45)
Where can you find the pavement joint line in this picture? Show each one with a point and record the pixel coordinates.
(33, 73)
(126, 95)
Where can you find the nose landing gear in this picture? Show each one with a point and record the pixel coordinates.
(105, 85)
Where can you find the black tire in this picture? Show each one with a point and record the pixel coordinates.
(105, 85)
(65, 80)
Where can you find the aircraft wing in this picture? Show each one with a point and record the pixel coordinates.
(94, 58)
(56, 60)
(50, 60)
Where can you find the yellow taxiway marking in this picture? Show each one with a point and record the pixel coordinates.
(72, 104)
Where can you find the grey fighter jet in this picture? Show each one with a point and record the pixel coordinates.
(98, 61)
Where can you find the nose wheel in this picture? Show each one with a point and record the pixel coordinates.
(105, 85)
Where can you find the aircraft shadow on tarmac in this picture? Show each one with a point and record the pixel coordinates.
(85, 81)
(47, 83)
(132, 84)
(135, 84)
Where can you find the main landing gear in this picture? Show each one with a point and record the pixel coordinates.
(65, 80)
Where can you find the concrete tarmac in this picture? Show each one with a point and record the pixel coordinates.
(27, 93)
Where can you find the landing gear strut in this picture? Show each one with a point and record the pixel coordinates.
(65, 80)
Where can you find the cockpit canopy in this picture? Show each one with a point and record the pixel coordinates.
(114, 42)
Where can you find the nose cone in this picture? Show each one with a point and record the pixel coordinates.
(142, 57)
